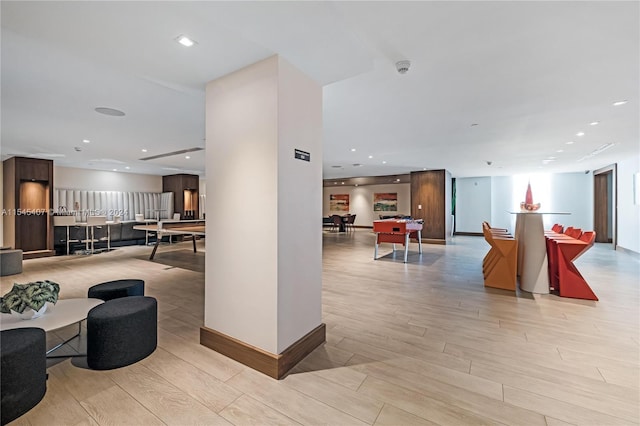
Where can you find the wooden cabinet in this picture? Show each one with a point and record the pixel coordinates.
(28, 198)
(185, 190)
(431, 201)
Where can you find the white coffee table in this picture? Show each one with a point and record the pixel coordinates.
(63, 314)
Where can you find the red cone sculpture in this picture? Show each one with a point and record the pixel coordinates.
(528, 199)
(527, 205)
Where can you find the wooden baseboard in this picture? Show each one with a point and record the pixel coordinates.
(469, 234)
(37, 254)
(276, 366)
(434, 241)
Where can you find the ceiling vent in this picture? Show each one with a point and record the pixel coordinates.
(403, 66)
(171, 154)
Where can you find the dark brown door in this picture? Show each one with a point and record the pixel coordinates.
(601, 207)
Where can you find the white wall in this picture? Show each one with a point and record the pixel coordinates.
(572, 193)
(628, 212)
(361, 201)
(502, 203)
(299, 204)
(99, 180)
(255, 117)
(560, 192)
(473, 203)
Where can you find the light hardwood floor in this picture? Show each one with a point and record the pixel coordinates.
(407, 344)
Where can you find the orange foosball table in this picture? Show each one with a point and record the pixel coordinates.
(397, 231)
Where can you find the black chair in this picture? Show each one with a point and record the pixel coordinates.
(23, 367)
(121, 332)
(116, 289)
(350, 222)
(337, 222)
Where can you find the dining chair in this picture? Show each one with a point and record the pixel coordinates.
(351, 221)
(337, 222)
(574, 233)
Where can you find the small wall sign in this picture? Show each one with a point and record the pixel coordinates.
(302, 155)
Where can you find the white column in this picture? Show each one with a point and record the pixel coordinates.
(263, 277)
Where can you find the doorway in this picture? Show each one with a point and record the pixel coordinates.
(605, 205)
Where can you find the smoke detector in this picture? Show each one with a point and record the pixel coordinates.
(403, 66)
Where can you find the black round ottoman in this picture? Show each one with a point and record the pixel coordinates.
(116, 289)
(121, 332)
(23, 362)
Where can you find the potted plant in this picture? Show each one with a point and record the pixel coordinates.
(30, 300)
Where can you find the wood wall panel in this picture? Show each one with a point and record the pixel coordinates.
(178, 184)
(600, 202)
(33, 233)
(28, 185)
(9, 202)
(33, 196)
(431, 189)
(33, 169)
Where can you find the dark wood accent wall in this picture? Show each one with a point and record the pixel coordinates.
(600, 203)
(431, 189)
(183, 185)
(28, 199)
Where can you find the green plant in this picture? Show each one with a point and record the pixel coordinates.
(31, 295)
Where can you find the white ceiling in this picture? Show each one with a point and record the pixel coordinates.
(529, 74)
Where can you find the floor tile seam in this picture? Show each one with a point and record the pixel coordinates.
(138, 402)
(577, 407)
(581, 387)
(166, 382)
(499, 357)
(303, 392)
(440, 400)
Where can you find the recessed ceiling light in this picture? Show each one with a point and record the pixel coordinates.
(353, 150)
(356, 184)
(127, 167)
(110, 111)
(371, 156)
(570, 143)
(594, 123)
(618, 103)
(335, 183)
(424, 168)
(86, 141)
(342, 183)
(551, 158)
(384, 162)
(580, 134)
(187, 157)
(397, 180)
(185, 41)
(560, 150)
(144, 150)
(115, 170)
